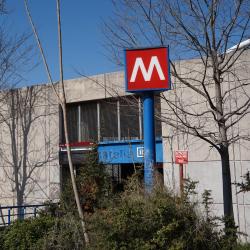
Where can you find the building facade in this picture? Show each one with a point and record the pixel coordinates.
(100, 112)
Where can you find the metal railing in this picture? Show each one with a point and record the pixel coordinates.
(9, 214)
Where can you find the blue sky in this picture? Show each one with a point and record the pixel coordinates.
(83, 49)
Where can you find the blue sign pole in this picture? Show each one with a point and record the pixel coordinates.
(149, 139)
(148, 70)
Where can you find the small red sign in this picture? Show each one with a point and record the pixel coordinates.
(147, 69)
(181, 157)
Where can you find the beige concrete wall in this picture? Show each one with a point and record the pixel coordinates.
(95, 87)
(42, 153)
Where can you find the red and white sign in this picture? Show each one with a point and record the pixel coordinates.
(78, 146)
(147, 69)
(181, 157)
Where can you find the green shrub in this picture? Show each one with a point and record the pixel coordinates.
(2, 232)
(156, 221)
(131, 220)
(24, 235)
(66, 233)
(93, 185)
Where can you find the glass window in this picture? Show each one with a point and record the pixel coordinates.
(72, 117)
(129, 118)
(89, 122)
(108, 120)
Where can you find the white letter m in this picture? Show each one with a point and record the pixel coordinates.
(147, 74)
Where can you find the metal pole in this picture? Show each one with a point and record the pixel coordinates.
(35, 212)
(149, 140)
(9, 216)
(79, 124)
(98, 123)
(118, 120)
(181, 179)
(23, 212)
(140, 118)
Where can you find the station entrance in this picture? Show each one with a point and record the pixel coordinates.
(120, 158)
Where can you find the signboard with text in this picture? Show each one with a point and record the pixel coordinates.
(126, 152)
(181, 157)
(147, 69)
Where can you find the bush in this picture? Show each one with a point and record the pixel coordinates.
(156, 221)
(131, 220)
(241, 246)
(66, 233)
(25, 234)
(93, 185)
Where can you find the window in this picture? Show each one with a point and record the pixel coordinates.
(88, 125)
(129, 118)
(72, 117)
(108, 120)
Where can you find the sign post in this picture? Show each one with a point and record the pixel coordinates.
(147, 71)
(149, 139)
(181, 157)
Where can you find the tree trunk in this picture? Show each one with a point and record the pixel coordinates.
(226, 179)
(63, 105)
(20, 210)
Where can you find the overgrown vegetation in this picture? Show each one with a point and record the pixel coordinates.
(93, 184)
(156, 221)
(26, 234)
(128, 220)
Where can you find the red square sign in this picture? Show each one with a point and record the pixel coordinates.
(181, 157)
(147, 69)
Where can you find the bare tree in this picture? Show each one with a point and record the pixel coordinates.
(20, 156)
(15, 55)
(203, 31)
(61, 97)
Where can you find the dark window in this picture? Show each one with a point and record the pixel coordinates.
(108, 120)
(129, 118)
(89, 122)
(72, 117)
(158, 128)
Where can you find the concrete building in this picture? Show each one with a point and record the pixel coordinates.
(100, 111)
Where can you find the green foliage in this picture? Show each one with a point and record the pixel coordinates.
(189, 188)
(2, 232)
(93, 185)
(229, 236)
(25, 234)
(207, 201)
(43, 232)
(66, 233)
(156, 221)
(51, 209)
(131, 220)
(242, 247)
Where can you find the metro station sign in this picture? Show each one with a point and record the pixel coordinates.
(147, 69)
